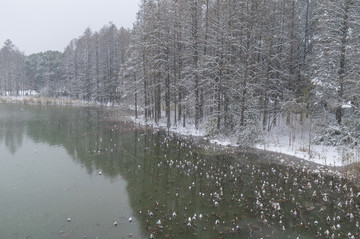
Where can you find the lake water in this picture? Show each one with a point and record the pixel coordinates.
(72, 172)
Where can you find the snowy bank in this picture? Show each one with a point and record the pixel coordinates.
(320, 154)
(294, 140)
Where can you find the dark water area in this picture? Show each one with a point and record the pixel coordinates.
(82, 173)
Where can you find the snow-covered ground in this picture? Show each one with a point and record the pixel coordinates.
(291, 140)
(295, 140)
(280, 142)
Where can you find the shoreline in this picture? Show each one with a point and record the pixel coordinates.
(275, 157)
(327, 156)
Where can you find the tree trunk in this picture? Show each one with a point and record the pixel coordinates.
(341, 72)
(180, 106)
(218, 110)
(194, 29)
(136, 99)
(243, 102)
(167, 100)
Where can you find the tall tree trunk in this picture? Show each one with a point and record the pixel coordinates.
(218, 125)
(146, 103)
(342, 72)
(167, 95)
(136, 98)
(196, 61)
(180, 105)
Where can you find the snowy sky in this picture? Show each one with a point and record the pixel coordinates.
(40, 25)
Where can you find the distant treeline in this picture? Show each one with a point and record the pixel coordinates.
(88, 69)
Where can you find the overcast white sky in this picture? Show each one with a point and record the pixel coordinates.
(40, 25)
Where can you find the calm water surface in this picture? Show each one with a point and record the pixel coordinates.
(79, 163)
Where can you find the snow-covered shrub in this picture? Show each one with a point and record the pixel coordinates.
(347, 134)
(45, 91)
(210, 128)
(246, 135)
(249, 134)
(350, 133)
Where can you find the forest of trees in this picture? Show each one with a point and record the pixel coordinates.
(230, 66)
(88, 69)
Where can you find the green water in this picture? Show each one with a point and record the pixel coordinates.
(50, 163)
(84, 164)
